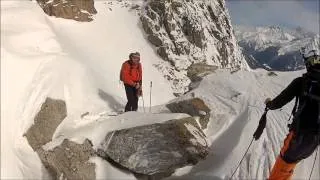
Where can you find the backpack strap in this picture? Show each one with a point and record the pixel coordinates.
(293, 112)
(319, 116)
(299, 106)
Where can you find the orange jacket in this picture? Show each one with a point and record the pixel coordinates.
(131, 73)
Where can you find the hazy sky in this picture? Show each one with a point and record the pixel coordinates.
(290, 13)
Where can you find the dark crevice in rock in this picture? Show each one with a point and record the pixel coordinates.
(194, 36)
(214, 18)
(221, 3)
(168, 29)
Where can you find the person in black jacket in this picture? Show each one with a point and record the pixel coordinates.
(303, 137)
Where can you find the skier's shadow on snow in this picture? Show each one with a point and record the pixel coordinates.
(110, 100)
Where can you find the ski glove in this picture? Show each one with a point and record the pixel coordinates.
(137, 85)
(262, 125)
(139, 92)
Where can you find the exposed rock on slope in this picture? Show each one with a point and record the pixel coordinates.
(156, 150)
(188, 32)
(79, 10)
(67, 161)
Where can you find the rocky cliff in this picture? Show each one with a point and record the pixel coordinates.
(187, 32)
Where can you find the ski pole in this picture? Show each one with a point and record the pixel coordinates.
(143, 104)
(150, 95)
(315, 158)
(242, 159)
(314, 162)
(256, 136)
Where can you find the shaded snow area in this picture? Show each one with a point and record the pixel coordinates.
(79, 63)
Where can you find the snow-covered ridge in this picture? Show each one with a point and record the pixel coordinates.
(274, 47)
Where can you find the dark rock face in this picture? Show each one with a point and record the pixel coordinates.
(158, 149)
(68, 160)
(79, 10)
(193, 107)
(187, 32)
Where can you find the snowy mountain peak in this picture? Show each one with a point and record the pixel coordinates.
(274, 47)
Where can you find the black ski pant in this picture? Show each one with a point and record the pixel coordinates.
(132, 97)
(299, 146)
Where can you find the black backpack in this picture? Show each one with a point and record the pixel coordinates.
(308, 101)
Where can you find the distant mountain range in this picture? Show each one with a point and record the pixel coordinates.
(274, 47)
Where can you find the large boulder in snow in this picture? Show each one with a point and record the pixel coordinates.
(156, 150)
(51, 114)
(69, 160)
(193, 107)
(187, 32)
(79, 10)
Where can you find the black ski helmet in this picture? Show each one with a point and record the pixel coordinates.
(312, 60)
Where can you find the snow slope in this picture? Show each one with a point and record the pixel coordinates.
(236, 101)
(43, 56)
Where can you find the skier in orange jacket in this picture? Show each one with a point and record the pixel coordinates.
(131, 75)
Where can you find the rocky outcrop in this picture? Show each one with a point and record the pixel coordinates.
(197, 71)
(187, 32)
(79, 10)
(156, 150)
(46, 121)
(193, 107)
(149, 151)
(68, 160)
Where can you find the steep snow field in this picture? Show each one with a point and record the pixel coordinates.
(79, 62)
(43, 56)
